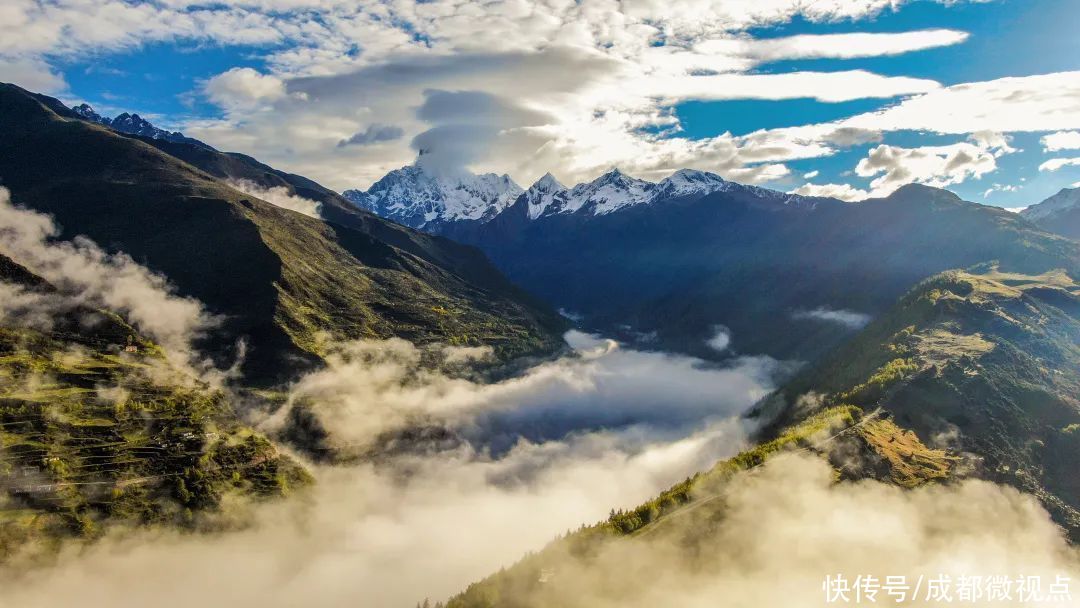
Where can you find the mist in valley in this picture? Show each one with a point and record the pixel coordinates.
(502, 469)
(609, 427)
(522, 460)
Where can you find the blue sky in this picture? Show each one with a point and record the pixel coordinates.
(157, 80)
(1007, 39)
(287, 80)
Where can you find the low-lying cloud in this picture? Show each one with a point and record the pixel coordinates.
(369, 536)
(85, 275)
(720, 340)
(278, 196)
(536, 455)
(848, 318)
(785, 527)
(371, 388)
(605, 429)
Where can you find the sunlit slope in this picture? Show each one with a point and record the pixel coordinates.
(971, 374)
(279, 277)
(986, 362)
(99, 430)
(671, 533)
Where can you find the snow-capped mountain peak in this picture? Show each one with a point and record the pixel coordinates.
(547, 183)
(611, 191)
(420, 197)
(133, 123)
(1068, 198)
(86, 111)
(685, 182)
(546, 193)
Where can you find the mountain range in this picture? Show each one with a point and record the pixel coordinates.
(133, 124)
(939, 337)
(942, 338)
(943, 357)
(437, 201)
(670, 264)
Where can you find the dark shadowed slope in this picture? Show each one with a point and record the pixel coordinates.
(465, 261)
(778, 271)
(281, 278)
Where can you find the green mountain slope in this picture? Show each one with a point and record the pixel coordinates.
(971, 373)
(467, 262)
(280, 278)
(990, 361)
(98, 430)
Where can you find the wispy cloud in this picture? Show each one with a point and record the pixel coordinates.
(1055, 164)
(373, 134)
(278, 196)
(88, 276)
(848, 318)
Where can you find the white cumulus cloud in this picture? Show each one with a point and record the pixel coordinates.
(844, 192)
(243, 88)
(1062, 140)
(937, 166)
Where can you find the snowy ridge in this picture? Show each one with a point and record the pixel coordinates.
(417, 197)
(688, 182)
(615, 190)
(1068, 198)
(611, 191)
(545, 194)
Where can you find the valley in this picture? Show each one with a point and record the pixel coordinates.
(678, 369)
